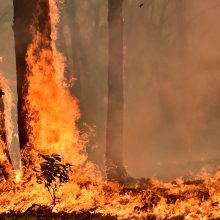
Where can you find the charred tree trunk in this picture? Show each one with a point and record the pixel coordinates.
(114, 135)
(36, 16)
(22, 37)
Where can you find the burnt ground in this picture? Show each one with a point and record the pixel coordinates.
(81, 216)
(34, 216)
(43, 213)
(153, 195)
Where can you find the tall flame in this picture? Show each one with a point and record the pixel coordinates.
(8, 105)
(52, 112)
(7, 125)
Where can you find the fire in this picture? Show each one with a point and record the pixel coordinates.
(196, 199)
(52, 117)
(52, 112)
(6, 105)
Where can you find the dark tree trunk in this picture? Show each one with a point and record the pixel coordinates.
(23, 18)
(61, 42)
(79, 64)
(28, 13)
(76, 49)
(114, 135)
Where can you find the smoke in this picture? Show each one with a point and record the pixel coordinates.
(171, 87)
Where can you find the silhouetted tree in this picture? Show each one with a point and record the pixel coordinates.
(61, 40)
(114, 137)
(22, 37)
(77, 67)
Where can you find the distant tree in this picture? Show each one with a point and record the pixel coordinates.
(61, 39)
(52, 173)
(114, 134)
(77, 51)
(88, 31)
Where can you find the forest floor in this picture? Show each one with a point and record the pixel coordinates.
(187, 199)
(52, 216)
(74, 216)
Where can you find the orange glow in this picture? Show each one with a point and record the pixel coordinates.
(8, 105)
(6, 122)
(52, 112)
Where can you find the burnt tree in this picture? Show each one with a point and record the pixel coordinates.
(35, 19)
(23, 39)
(114, 134)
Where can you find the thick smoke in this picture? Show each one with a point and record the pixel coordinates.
(172, 87)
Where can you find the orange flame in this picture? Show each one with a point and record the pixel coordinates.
(7, 129)
(8, 105)
(52, 112)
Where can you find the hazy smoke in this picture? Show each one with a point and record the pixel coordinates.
(172, 88)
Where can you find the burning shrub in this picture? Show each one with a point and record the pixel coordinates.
(52, 173)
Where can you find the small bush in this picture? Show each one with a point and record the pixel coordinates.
(52, 173)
